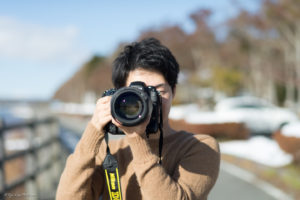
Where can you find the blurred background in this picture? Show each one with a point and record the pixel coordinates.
(239, 82)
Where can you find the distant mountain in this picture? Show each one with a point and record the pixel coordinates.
(93, 77)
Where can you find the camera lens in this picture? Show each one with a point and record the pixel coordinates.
(132, 105)
(129, 106)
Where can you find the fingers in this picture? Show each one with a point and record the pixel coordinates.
(102, 114)
(104, 100)
(106, 119)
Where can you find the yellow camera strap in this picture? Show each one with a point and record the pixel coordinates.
(110, 166)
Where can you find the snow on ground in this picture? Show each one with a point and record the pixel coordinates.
(23, 111)
(259, 149)
(291, 130)
(182, 111)
(16, 144)
(73, 108)
(191, 113)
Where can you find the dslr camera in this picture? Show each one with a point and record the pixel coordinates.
(133, 105)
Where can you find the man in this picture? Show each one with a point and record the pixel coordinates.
(190, 163)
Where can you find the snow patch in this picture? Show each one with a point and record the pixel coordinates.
(23, 111)
(291, 130)
(192, 114)
(259, 149)
(16, 144)
(182, 111)
(73, 108)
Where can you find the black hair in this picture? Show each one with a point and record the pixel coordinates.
(147, 54)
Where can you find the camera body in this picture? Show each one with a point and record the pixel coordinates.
(133, 105)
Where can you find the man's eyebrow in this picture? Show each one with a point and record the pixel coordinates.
(159, 85)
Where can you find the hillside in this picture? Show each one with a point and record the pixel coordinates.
(93, 77)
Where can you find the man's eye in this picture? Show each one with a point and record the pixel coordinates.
(162, 92)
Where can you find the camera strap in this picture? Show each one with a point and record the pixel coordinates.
(110, 166)
(161, 136)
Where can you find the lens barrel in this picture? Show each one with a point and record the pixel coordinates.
(130, 106)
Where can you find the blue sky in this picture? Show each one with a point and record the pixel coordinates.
(43, 44)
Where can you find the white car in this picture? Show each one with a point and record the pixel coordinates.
(260, 116)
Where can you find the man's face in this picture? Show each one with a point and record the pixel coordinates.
(152, 78)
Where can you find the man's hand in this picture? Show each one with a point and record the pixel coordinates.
(102, 113)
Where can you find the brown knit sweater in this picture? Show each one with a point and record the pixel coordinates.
(190, 166)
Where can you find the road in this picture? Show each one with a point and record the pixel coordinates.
(233, 184)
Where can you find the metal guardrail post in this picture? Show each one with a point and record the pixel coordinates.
(52, 151)
(57, 151)
(32, 186)
(2, 154)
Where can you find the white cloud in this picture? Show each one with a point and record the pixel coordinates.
(35, 42)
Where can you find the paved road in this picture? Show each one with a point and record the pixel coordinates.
(230, 187)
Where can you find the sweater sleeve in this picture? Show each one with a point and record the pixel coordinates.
(195, 174)
(81, 179)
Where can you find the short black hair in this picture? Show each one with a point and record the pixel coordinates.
(147, 54)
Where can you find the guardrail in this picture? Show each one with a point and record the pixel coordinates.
(42, 160)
